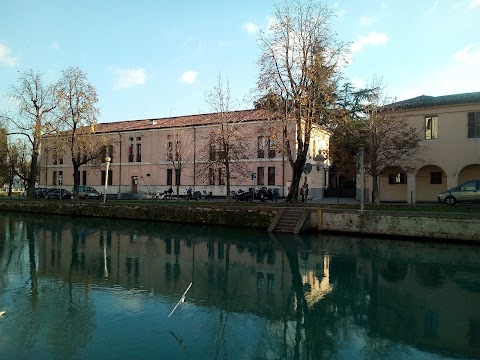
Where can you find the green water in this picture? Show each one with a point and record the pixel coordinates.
(101, 289)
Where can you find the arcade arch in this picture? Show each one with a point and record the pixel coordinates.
(429, 181)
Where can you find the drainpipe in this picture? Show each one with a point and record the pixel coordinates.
(120, 168)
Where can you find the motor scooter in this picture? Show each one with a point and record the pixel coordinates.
(244, 195)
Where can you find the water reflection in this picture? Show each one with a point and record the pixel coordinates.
(88, 288)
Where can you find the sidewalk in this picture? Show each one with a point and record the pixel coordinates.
(334, 201)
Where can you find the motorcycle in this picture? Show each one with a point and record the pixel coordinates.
(244, 195)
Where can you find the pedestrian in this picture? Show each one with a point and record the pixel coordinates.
(170, 192)
(302, 193)
(189, 194)
(306, 192)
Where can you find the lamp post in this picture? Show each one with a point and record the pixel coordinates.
(362, 178)
(107, 160)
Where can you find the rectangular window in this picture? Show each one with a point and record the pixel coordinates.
(55, 157)
(54, 178)
(110, 152)
(109, 177)
(436, 177)
(271, 175)
(177, 176)
(260, 176)
(212, 156)
(60, 159)
(130, 150)
(221, 177)
(211, 176)
(261, 147)
(170, 151)
(139, 152)
(169, 176)
(399, 178)
(473, 125)
(84, 178)
(431, 127)
(178, 151)
(60, 177)
(271, 148)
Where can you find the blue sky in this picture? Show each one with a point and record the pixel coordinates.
(152, 58)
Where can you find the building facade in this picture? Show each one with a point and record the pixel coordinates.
(450, 149)
(148, 156)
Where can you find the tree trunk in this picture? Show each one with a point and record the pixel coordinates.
(32, 177)
(295, 186)
(76, 178)
(376, 197)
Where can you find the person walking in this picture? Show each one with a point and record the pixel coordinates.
(306, 192)
(302, 194)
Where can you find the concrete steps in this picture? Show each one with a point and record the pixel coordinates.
(290, 220)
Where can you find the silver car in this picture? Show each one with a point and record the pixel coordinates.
(467, 192)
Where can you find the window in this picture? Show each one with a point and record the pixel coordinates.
(60, 177)
(60, 159)
(399, 178)
(261, 147)
(271, 148)
(473, 125)
(109, 177)
(436, 177)
(177, 176)
(54, 178)
(260, 176)
(169, 176)
(170, 151)
(211, 176)
(178, 151)
(221, 177)
(212, 152)
(130, 150)
(84, 178)
(139, 152)
(55, 157)
(431, 127)
(271, 175)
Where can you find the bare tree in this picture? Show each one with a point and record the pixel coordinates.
(389, 139)
(179, 151)
(299, 63)
(77, 117)
(227, 143)
(35, 102)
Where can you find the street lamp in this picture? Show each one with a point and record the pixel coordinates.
(107, 160)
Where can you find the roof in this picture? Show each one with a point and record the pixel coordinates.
(425, 101)
(182, 121)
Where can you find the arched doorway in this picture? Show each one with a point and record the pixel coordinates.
(429, 181)
(392, 184)
(469, 172)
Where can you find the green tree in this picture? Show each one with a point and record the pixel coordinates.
(300, 64)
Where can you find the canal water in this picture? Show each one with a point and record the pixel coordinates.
(107, 289)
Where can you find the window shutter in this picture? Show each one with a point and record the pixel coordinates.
(471, 125)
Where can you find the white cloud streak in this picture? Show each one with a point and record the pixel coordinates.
(373, 38)
(128, 78)
(6, 57)
(251, 28)
(470, 54)
(474, 4)
(189, 77)
(366, 21)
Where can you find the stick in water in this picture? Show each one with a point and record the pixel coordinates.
(182, 299)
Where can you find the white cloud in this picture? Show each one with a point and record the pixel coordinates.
(373, 38)
(54, 45)
(251, 28)
(366, 21)
(6, 57)
(474, 4)
(189, 77)
(432, 8)
(128, 78)
(470, 54)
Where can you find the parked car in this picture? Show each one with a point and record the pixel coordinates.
(40, 193)
(88, 192)
(467, 192)
(56, 193)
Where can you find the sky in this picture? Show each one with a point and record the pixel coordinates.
(153, 58)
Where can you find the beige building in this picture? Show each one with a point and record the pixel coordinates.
(450, 128)
(151, 155)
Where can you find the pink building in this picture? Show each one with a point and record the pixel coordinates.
(151, 155)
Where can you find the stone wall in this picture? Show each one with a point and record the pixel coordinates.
(402, 224)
